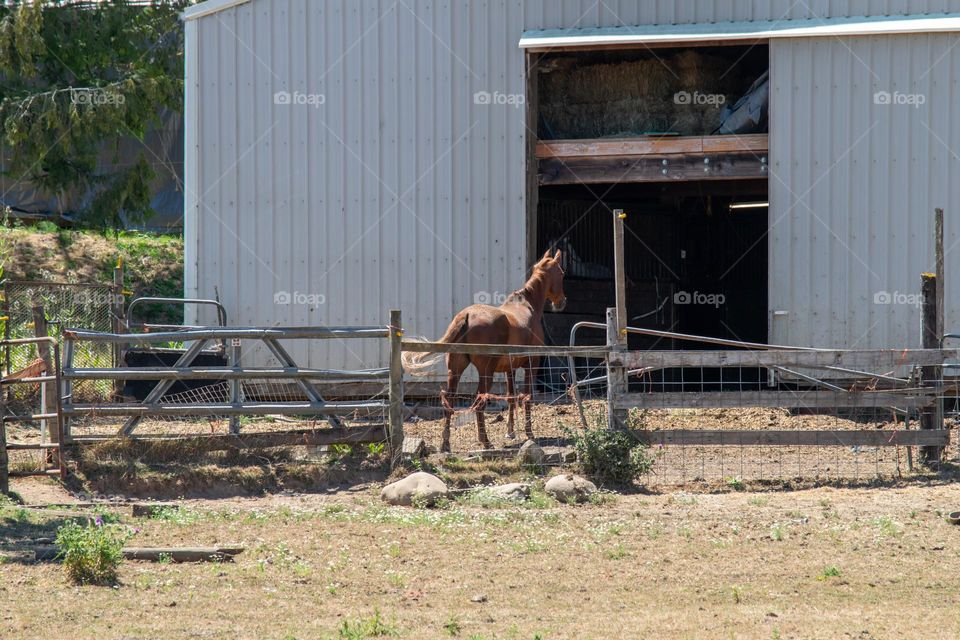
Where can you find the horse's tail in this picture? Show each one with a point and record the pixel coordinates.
(419, 363)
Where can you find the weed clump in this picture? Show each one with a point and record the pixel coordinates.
(611, 456)
(92, 553)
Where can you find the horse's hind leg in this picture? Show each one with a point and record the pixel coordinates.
(456, 363)
(511, 403)
(483, 387)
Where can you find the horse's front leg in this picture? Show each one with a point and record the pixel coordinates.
(511, 403)
(528, 374)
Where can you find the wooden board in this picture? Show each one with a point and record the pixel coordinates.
(502, 349)
(262, 440)
(879, 359)
(770, 399)
(650, 145)
(817, 438)
(651, 168)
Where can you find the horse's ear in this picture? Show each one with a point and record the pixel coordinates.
(546, 254)
(557, 256)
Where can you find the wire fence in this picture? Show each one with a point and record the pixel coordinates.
(718, 416)
(76, 305)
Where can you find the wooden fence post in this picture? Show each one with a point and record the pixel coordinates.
(4, 460)
(617, 329)
(616, 375)
(117, 320)
(396, 387)
(620, 276)
(930, 417)
(48, 390)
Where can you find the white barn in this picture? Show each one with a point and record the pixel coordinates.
(345, 157)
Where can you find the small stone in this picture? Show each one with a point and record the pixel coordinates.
(480, 597)
(518, 491)
(530, 453)
(420, 487)
(413, 447)
(570, 488)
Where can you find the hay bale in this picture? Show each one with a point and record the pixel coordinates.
(589, 97)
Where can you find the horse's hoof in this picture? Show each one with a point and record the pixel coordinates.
(511, 436)
(485, 444)
(445, 447)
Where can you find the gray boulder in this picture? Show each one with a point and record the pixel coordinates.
(530, 453)
(570, 488)
(518, 491)
(421, 488)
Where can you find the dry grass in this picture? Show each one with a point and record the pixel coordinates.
(813, 564)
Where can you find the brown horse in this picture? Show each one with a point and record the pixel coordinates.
(518, 321)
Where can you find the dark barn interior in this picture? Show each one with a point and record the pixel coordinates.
(673, 137)
(693, 265)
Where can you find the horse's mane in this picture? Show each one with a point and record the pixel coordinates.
(520, 295)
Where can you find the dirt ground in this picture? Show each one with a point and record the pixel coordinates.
(820, 563)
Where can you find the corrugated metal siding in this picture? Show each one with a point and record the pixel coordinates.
(400, 191)
(854, 183)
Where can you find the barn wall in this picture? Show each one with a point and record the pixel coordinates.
(399, 190)
(853, 186)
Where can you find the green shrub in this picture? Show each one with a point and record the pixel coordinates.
(611, 456)
(92, 553)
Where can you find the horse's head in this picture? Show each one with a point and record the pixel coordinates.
(549, 266)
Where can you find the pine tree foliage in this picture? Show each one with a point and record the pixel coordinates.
(78, 79)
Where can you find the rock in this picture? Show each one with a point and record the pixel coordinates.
(413, 447)
(559, 455)
(570, 488)
(530, 453)
(420, 487)
(514, 491)
(480, 597)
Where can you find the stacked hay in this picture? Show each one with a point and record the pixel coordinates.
(584, 98)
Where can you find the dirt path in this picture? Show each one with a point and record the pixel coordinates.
(820, 563)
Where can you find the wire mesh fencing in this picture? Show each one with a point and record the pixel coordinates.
(821, 415)
(75, 305)
(716, 416)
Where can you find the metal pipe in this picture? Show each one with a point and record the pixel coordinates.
(221, 373)
(221, 311)
(216, 333)
(225, 409)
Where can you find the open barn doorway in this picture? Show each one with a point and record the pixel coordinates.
(677, 138)
(695, 257)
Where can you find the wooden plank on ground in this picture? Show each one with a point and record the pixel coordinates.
(158, 554)
(786, 399)
(806, 438)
